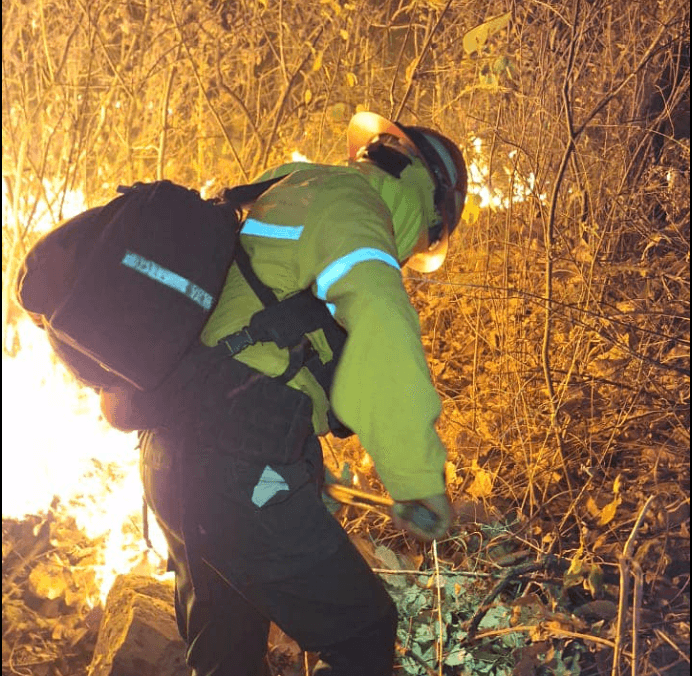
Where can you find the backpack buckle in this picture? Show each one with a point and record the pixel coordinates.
(238, 341)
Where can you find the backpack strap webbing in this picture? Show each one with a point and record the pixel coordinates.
(249, 192)
(287, 323)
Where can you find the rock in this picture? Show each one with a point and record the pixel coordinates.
(138, 635)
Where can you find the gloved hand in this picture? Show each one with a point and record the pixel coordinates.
(427, 519)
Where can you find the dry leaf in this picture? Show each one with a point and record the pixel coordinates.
(598, 610)
(387, 557)
(478, 36)
(48, 580)
(592, 508)
(389, 560)
(472, 209)
(451, 478)
(617, 484)
(482, 485)
(608, 512)
(576, 565)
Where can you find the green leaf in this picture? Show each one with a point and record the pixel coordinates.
(496, 618)
(424, 633)
(456, 658)
(500, 65)
(346, 476)
(594, 581)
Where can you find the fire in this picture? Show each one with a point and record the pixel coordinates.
(523, 186)
(298, 157)
(56, 445)
(42, 216)
(58, 452)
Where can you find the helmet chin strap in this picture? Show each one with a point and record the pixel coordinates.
(385, 152)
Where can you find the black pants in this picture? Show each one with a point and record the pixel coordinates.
(234, 481)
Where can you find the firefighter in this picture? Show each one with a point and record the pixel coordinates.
(232, 468)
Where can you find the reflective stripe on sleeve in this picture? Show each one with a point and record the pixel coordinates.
(342, 266)
(259, 229)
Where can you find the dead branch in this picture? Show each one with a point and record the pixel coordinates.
(163, 135)
(203, 90)
(530, 567)
(624, 564)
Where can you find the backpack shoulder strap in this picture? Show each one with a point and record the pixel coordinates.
(244, 194)
(260, 289)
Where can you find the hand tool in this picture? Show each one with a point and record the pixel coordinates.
(414, 512)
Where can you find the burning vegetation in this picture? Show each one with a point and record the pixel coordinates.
(557, 333)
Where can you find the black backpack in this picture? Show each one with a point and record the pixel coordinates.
(153, 263)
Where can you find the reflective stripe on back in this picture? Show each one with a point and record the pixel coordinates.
(168, 278)
(259, 229)
(342, 266)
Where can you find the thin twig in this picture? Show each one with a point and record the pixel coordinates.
(420, 661)
(624, 562)
(429, 572)
(549, 239)
(165, 126)
(92, 24)
(523, 569)
(610, 95)
(440, 623)
(282, 103)
(629, 545)
(671, 643)
(420, 59)
(397, 66)
(203, 90)
(636, 612)
(555, 631)
(239, 102)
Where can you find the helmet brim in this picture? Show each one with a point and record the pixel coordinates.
(433, 257)
(364, 126)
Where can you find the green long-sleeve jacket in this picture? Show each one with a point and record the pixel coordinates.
(344, 231)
